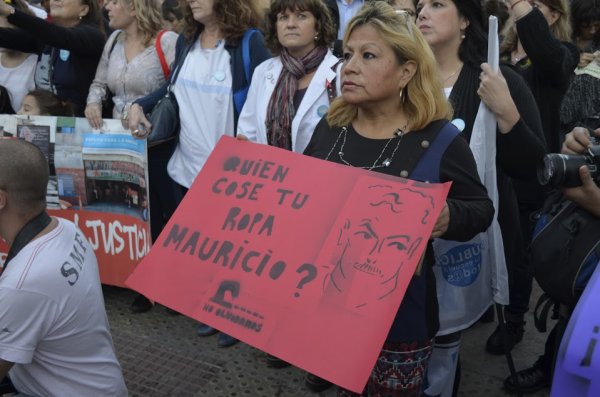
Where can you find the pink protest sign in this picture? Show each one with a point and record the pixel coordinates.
(304, 259)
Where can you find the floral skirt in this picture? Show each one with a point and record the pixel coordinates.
(399, 371)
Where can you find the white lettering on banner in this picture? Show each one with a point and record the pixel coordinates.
(113, 238)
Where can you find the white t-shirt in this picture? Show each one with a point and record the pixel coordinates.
(18, 81)
(204, 94)
(53, 324)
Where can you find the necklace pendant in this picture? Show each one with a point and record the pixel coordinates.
(387, 162)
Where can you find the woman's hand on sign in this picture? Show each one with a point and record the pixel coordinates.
(93, 113)
(138, 123)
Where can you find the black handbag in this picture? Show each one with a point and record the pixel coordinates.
(165, 114)
(164, 119)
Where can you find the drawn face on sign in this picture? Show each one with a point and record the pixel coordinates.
(374, 245)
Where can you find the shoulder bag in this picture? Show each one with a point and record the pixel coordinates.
(165, 114)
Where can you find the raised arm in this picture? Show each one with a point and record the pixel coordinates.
(82, 39)
(19, 40)
(554, 59)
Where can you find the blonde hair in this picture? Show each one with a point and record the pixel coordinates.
(148, 16)
(561, 29)
(424, 100)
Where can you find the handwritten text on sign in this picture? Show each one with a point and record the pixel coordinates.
(296, 256)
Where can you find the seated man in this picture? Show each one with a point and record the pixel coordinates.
(54, 336)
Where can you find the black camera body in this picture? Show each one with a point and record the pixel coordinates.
(563, 169)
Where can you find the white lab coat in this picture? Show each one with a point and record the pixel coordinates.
(313, 107)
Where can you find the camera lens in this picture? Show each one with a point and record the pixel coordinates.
(553, 172)
(561, 170)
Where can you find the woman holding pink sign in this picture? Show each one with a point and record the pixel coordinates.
(393, 118)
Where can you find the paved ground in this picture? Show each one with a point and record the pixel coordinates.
(162, 356)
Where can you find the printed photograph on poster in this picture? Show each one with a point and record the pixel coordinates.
(99, 182)
(68, 161)
(101, 172)
(5, 134)
(115, 175)
(39, 130)
(39, 135)
(52, 200)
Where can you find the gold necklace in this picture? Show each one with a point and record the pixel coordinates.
(453, 74)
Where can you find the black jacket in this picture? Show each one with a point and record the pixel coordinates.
(471, 211)
(518, 153)
(74, 53)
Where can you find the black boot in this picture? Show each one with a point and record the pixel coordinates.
(275, 362)
(316, 384)
(528, 380)
(140, 304)
(498, 344)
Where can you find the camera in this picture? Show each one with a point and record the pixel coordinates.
(563, 169)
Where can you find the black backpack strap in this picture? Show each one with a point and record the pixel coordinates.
(542, 309)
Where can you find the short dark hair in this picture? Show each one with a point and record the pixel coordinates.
(326, 33)
(584, 12)
(18, 157)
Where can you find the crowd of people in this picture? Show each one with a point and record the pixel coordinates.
(362, 83)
